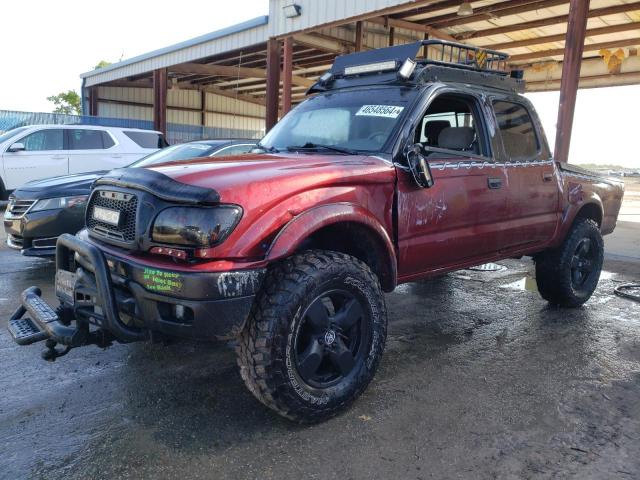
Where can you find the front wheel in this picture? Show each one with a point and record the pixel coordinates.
(315, 335)
(568, 275)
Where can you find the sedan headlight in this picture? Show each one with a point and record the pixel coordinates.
(58, 203)
(195, 227)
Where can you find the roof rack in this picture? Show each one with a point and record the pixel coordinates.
(438, 59)
(458, 55)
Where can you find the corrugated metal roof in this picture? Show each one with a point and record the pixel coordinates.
(194, 42)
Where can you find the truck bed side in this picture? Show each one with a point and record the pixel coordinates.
(588, 194)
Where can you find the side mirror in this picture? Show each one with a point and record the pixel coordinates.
(16, 147)
(419, 166)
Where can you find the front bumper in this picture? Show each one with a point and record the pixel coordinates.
(110, 298)
(35, 233)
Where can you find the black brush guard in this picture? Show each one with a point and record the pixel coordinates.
(55, 325)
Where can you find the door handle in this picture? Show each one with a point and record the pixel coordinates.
(58, 157)
(494, 183)
(547, 177)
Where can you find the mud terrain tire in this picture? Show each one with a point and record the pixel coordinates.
(567, 276)
(315, 335)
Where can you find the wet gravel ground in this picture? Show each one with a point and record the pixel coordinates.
(481, 379)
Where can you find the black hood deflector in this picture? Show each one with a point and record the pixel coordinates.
(159, 185)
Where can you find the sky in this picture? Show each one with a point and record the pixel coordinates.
(44, 53)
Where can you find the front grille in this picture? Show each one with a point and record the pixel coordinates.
(17, 208)
(125, 203)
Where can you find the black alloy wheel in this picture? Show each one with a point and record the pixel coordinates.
(331, 339)
(583, 263)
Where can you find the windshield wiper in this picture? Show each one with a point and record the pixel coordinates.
(318, 146)
(267, 149)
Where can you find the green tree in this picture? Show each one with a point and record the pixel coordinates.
(102, 64)
(67, 102)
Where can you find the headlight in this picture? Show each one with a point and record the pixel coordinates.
(195, 227)
(58, 203)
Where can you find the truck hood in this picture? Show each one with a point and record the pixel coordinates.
(63, 186)
(244, 179)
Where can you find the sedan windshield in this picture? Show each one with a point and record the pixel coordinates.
(183, 151)
(343, 122)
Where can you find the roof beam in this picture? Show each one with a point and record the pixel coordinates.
(325, 44)
(416, 27)
(230, 71)
(591, 81)
(624, 27)
(511, 7)
(436, 7)
(549, 21)
(232, 94)
(587, 48)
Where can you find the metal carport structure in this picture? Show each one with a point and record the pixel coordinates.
(244, 77)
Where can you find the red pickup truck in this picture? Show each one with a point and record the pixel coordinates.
(394, 170)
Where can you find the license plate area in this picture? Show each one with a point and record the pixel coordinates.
(106, 215)
(66, 285)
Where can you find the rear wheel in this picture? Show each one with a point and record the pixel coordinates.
(568, 275)
(315, 336)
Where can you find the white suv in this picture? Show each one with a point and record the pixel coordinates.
(42, 151)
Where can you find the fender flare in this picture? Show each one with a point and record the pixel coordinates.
(586, 199)
(310, 221)
(574, 207)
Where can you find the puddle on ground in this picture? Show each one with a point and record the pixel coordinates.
(604, 275)
(489, 267)
(525, 283)
(529, 283)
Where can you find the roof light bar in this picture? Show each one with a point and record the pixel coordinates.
(371, 67)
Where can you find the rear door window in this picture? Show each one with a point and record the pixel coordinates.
(146, 139)
(80, 139)
(44, 140)
(517, 131)
(107, 140)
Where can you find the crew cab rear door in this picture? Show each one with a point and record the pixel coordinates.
(459, 219)
(532, 181)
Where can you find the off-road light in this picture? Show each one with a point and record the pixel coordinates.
(371, 67)
(407, 68)
(325, 78)
(291, 11)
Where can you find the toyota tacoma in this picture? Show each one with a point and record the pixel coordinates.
(396, 168)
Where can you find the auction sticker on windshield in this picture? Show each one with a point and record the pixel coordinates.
(388, 111)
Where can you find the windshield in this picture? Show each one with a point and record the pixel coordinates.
(183, 151)
(352, 121)
(11, 133)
